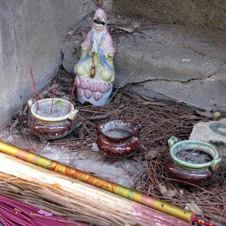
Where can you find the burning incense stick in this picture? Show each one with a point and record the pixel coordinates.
(34, 88)
(106, 185)
(53, 93)
(72, 94)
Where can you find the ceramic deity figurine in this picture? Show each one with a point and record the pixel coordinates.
(95, 70)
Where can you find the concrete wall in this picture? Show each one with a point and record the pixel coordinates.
(31, 36)
(210, 13)
(183, 49)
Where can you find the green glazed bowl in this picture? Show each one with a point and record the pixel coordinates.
(176, 146)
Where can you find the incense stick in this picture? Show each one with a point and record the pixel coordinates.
(72, 94)
(34, 88)
(74, 199)
(14, 212)
(201, 222)
(106, 185)
(53, 93)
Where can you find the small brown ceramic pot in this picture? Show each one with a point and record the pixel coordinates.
(200, 174)
(118, 139)
(51, 127)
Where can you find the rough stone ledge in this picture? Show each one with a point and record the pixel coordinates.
(180, 63)
(217, 135)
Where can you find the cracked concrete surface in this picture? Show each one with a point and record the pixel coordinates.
(180, 63)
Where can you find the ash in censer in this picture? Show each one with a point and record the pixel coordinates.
(58, 110)
(117, 129)
(118, 133)
(194, 156)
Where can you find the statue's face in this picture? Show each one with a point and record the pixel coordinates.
(99, 23)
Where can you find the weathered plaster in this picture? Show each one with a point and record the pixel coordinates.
(31, 36)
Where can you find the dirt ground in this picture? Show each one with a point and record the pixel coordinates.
(145, 170)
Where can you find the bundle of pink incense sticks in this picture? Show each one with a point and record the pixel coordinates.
(14, 212)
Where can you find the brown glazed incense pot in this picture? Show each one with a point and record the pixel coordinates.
(196, 172)
(50, 126)
(118, 139)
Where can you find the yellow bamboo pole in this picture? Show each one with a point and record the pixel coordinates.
(101, 207)
(138, 197)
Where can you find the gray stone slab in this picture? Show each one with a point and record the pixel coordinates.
(208, 94)
(92, 162)
(180, 63)
(213, 132)
(171, 53)
(193, 12)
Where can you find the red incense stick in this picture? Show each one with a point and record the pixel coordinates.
(201, 222)
(53, 93)
(35, 92)
(72, 94)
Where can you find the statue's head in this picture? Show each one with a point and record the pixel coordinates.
(100, 20)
